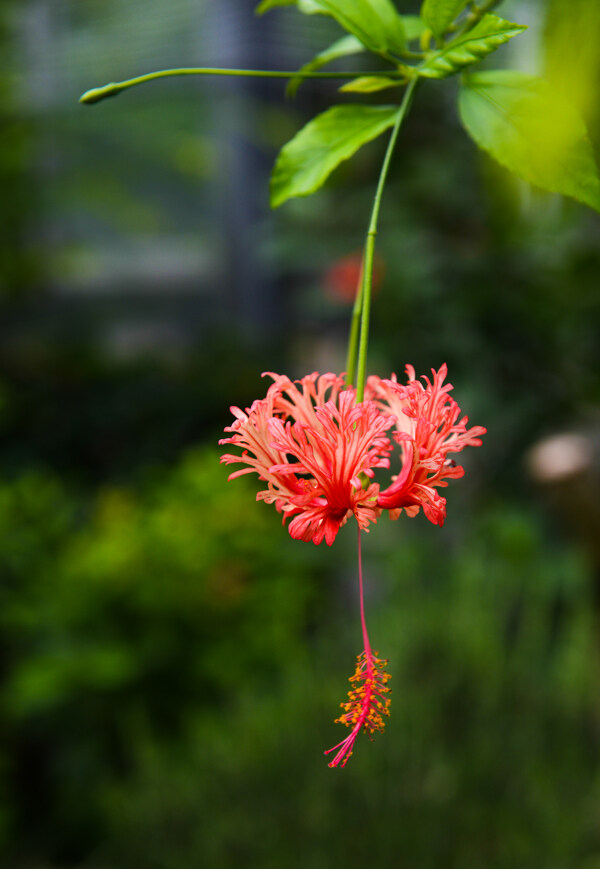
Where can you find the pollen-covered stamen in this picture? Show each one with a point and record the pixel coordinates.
(367, 705)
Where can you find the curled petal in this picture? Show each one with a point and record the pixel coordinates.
(427, 429)
(317, 449)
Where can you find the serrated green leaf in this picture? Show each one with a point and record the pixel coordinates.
(375, 22)
(343, 47)
(439, 14)
(333, 136)
(368, 84)
(470, 47)
(413, 27)
(533, 131)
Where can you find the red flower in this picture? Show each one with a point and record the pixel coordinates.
(316, 449)
(313, 445)
(343, 276)
(427, 429)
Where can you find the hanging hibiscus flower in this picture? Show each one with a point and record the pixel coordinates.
(316, 448)
(310, 441)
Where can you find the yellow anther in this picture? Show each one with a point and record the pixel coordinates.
(366, 702)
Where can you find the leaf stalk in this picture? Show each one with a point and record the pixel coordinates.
(94, 95)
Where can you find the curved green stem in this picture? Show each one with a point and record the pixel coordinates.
(359, 330)
(476, 14)
(113, 88)
(352, 354)
(417, 55)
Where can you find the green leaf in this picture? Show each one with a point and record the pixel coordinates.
(333, 136)
(368, 84)
(375, 22)
(439, 14)
(533, 131)
(340, 48)
(308, 5)
(271, 4)
(487, 35)
(413, 27)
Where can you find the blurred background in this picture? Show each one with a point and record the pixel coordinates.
(170, 661)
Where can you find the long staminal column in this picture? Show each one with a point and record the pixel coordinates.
(368, 704)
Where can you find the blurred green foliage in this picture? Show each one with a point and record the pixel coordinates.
(122, 621)
(490, 757)
(172, 663)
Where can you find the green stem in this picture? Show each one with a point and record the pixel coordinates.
(363, 300)
(111, 90)
(352, 355)
(485, 7)
(477, 14)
